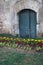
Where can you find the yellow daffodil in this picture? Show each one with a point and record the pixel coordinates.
(4, 37)
(39, 40)
(32, 39)
(28, 39)
(11, 38)
(42, 40)
(35, 40)
(24, 39)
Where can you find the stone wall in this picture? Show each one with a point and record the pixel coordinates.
(41, 20)
(10, 19)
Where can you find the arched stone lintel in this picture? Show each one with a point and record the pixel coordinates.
(33, 5)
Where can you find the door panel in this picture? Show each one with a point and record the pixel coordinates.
(24, 23)
(33, 24)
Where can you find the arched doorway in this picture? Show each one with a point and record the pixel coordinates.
(27, 23)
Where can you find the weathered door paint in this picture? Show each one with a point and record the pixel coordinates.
(33, 24)
(27, 23)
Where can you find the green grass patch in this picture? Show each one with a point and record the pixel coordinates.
(11, 57)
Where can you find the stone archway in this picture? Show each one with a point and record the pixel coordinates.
(25, 4)
(27, 23)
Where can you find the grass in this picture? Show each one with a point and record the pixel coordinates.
(9, 56)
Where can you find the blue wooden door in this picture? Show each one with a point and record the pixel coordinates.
(27, 23)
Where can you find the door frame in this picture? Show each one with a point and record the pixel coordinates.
(29, 26)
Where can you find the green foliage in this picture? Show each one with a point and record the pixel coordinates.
(38, 48)
(7, 44)
(1, 44)
(24, 47)
(9, 57)
(27, 48)
(15, 45)
(7, 35)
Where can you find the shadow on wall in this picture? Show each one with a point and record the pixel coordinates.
(40, 35)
